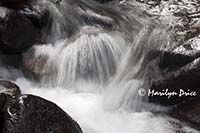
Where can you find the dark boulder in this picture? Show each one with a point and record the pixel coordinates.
(10, 59)
(32, 114)
(38, 15)
(104, 1)
(170, 61)
(17, 33)
(186, 78)
(40, 18)
(13, 1)
(7, 91)
(188, 112)
(20, 29)
(14, 4)
(178, 72)
(157, 63)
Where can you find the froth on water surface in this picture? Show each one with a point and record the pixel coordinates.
(87, 109)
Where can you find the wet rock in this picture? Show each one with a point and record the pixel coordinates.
(40, 18)
(7, 87)
(103, 1)
(190, 47)
(32, 65)
(171, 61)
(188, 112)
(185, 79)
(17, 33)
(7, 91)
(15, 4)
(12, 1)
(10, 59)
(32, 114)
(20, 29)
(38, 15)
(157, 63)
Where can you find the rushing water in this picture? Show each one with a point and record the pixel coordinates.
(95, 63)
(87, 109)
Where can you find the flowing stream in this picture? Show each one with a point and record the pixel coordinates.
(95, 63)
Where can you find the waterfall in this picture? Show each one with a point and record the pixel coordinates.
(99, 48)
(95, 64)
(134, 70)
(91, 56)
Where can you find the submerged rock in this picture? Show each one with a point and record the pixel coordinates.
(32, 67)
(31, 114)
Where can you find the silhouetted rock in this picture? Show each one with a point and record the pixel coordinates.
(31, 114)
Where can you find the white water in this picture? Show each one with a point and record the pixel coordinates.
(92, 74)
(110, 106)
(87, 109)
(91, 55)
(99, 107)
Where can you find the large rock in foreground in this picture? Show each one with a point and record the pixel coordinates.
(31, 114)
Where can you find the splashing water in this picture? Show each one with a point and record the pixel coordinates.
(92, 56)
(87, 109)
(95, 63)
